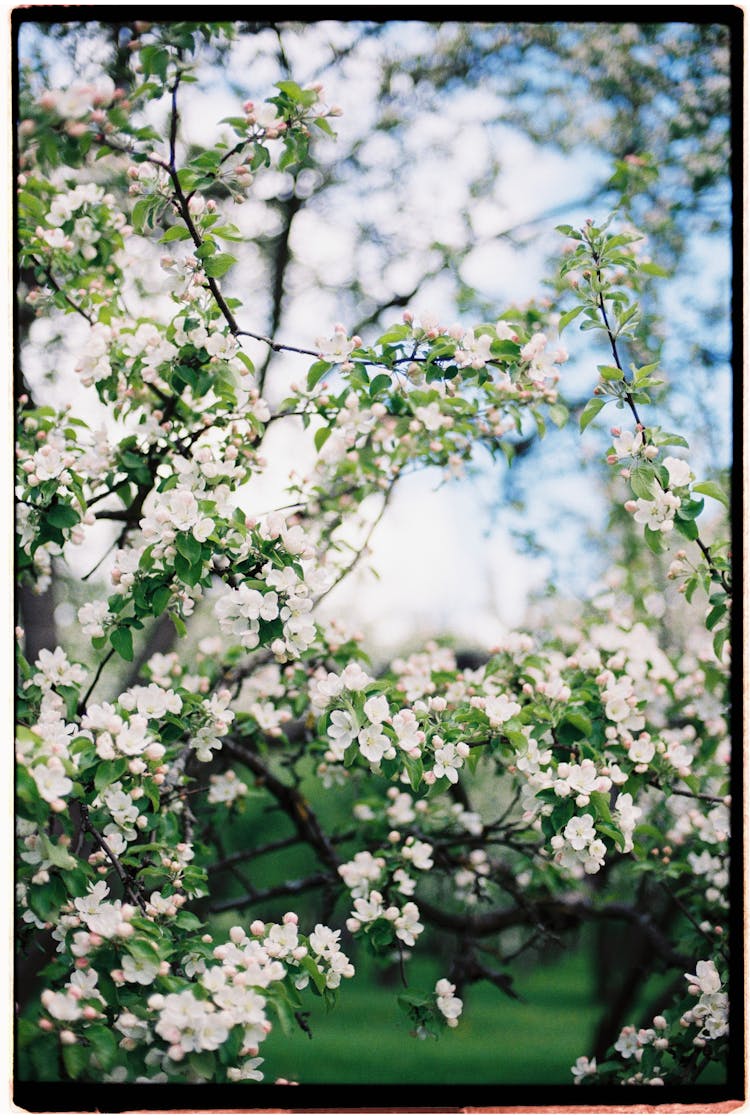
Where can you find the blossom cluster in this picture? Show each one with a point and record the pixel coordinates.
(651, 1055)
(228, 999)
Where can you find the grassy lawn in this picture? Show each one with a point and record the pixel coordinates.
(366, 1038)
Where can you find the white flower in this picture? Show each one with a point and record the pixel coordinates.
(447, 762)
(628, 1043)
(363, 869)
(89, 904)
(580, 831)
(266, 115)
(706, 977)
(51, 781)
(582, 1068)
(448, 1005)
(657, 512)
(679, 471)
(534, 347)
(626, 815)
(407, 730)
(628, 444)
(377, 709)
(474, 351)
(93, 617)
(407, 925)
(342, 731)
(336, 348)
(63, 1007)
(418, 853)
(368, 909)
(152, 702)
(324, 941)
(354, 678)
(204, 741)
(248, 1070)
(499, 709)
(139, 971)
(106, 920)
(54, 668)
(430, 416)
(373, 744)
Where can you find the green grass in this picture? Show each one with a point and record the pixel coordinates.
(366, 1039)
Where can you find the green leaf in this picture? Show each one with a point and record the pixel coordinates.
(568, 318)
(415, 769)
(291, 89)
(154, 60)
(104, 1043)
(188, 572)
(321, 435)
(122, 642)
(610, 372)
(642, 482)
(186, 920)
(203, 1064)
(592, 409)
(714, 490)
(504, 347)
(600, 803)
(108, 772)
(160, 600)
(61, 516)
(314, 972)
(714, 616)
(179, 625)
(176, 233)
(75, 1058)
(654, 539)
(719, 641)
(689, 510)
(379, 383)
(669, 439)
(142, 950)
(317, 372)
(688, 529)
(188, 547)
(559, 414)
(58, 856)
(578, 718)
(139, 214)
(324, 126)
(216, 266)
(394, 334)
(27, 1032)
(652, 269)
